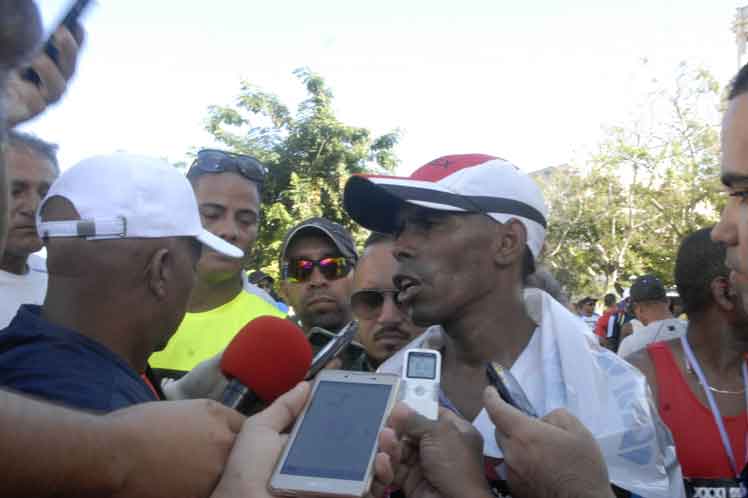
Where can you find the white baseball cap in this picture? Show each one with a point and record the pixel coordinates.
(473, 183)
(127, 196)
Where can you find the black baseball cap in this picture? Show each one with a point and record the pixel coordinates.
(258, 276)
(336, 232)
(647, 288)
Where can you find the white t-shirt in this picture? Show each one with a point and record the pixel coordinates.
(16, 290)
(661, 330)
(591, 320)
(561, 369)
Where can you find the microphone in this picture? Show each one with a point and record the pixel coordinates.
(267, 358)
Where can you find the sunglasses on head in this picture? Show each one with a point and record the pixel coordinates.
(218, 161)
(300, 270)
(367, 304)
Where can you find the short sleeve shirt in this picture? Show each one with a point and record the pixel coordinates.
(44, 360)
(203, 335)
(15, 290)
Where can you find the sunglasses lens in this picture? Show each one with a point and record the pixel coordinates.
(332, 268)
(367, 304)
(251, 169)
(209, 161)
(214, 161)
(300, 270)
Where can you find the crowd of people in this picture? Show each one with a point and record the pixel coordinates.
(110, 348)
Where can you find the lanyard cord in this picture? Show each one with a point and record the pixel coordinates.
(713, 404)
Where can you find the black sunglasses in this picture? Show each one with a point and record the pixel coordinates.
(300, 270)
(218, 161)
(367, 304)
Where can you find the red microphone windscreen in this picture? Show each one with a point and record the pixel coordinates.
(269, 355)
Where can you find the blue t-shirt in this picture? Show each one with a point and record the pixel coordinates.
(58, 364)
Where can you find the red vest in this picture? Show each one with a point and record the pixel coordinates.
(697, 440)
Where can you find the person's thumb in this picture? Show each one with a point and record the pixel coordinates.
(284, 410)
(503, 415)
(416, 426)
(564, 420)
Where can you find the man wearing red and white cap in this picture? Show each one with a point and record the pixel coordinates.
(468, 230)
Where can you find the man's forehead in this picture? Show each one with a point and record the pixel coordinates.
(30, 166)
(311, 244)
(226, 187)
(376, 268)
(735, 141)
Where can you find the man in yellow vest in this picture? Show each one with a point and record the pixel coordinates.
(227, 187)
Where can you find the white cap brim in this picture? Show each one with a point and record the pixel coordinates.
(219, 245)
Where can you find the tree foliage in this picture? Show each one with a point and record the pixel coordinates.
(309, 153)
(624, 211)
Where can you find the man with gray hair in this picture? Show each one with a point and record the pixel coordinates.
(32, 167)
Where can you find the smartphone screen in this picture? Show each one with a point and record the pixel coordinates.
(339, 431)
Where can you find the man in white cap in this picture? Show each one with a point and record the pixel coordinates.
(123, 236)
(468, 230)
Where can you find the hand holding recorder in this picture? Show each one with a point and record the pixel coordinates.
(440, 458)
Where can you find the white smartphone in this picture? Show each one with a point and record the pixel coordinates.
(334, 441)
(422, 370)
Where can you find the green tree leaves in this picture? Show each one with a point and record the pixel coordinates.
(624, 211)
(309, 154)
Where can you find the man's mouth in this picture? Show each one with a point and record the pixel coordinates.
(391, 334)
(320, 300)
(408, 287)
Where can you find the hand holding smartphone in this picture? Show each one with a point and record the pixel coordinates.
(332, 446)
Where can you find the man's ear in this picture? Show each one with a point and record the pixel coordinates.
(636, 310)
(511, 241)
(159, 272)
(723, 293)
(283, 290)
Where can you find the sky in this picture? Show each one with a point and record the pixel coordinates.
(532, 82)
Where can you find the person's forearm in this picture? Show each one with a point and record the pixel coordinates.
(47, 450)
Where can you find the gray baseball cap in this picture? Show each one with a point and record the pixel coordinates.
(336, 232)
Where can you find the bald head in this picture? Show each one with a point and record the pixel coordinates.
(130, 294)
(122, 260)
